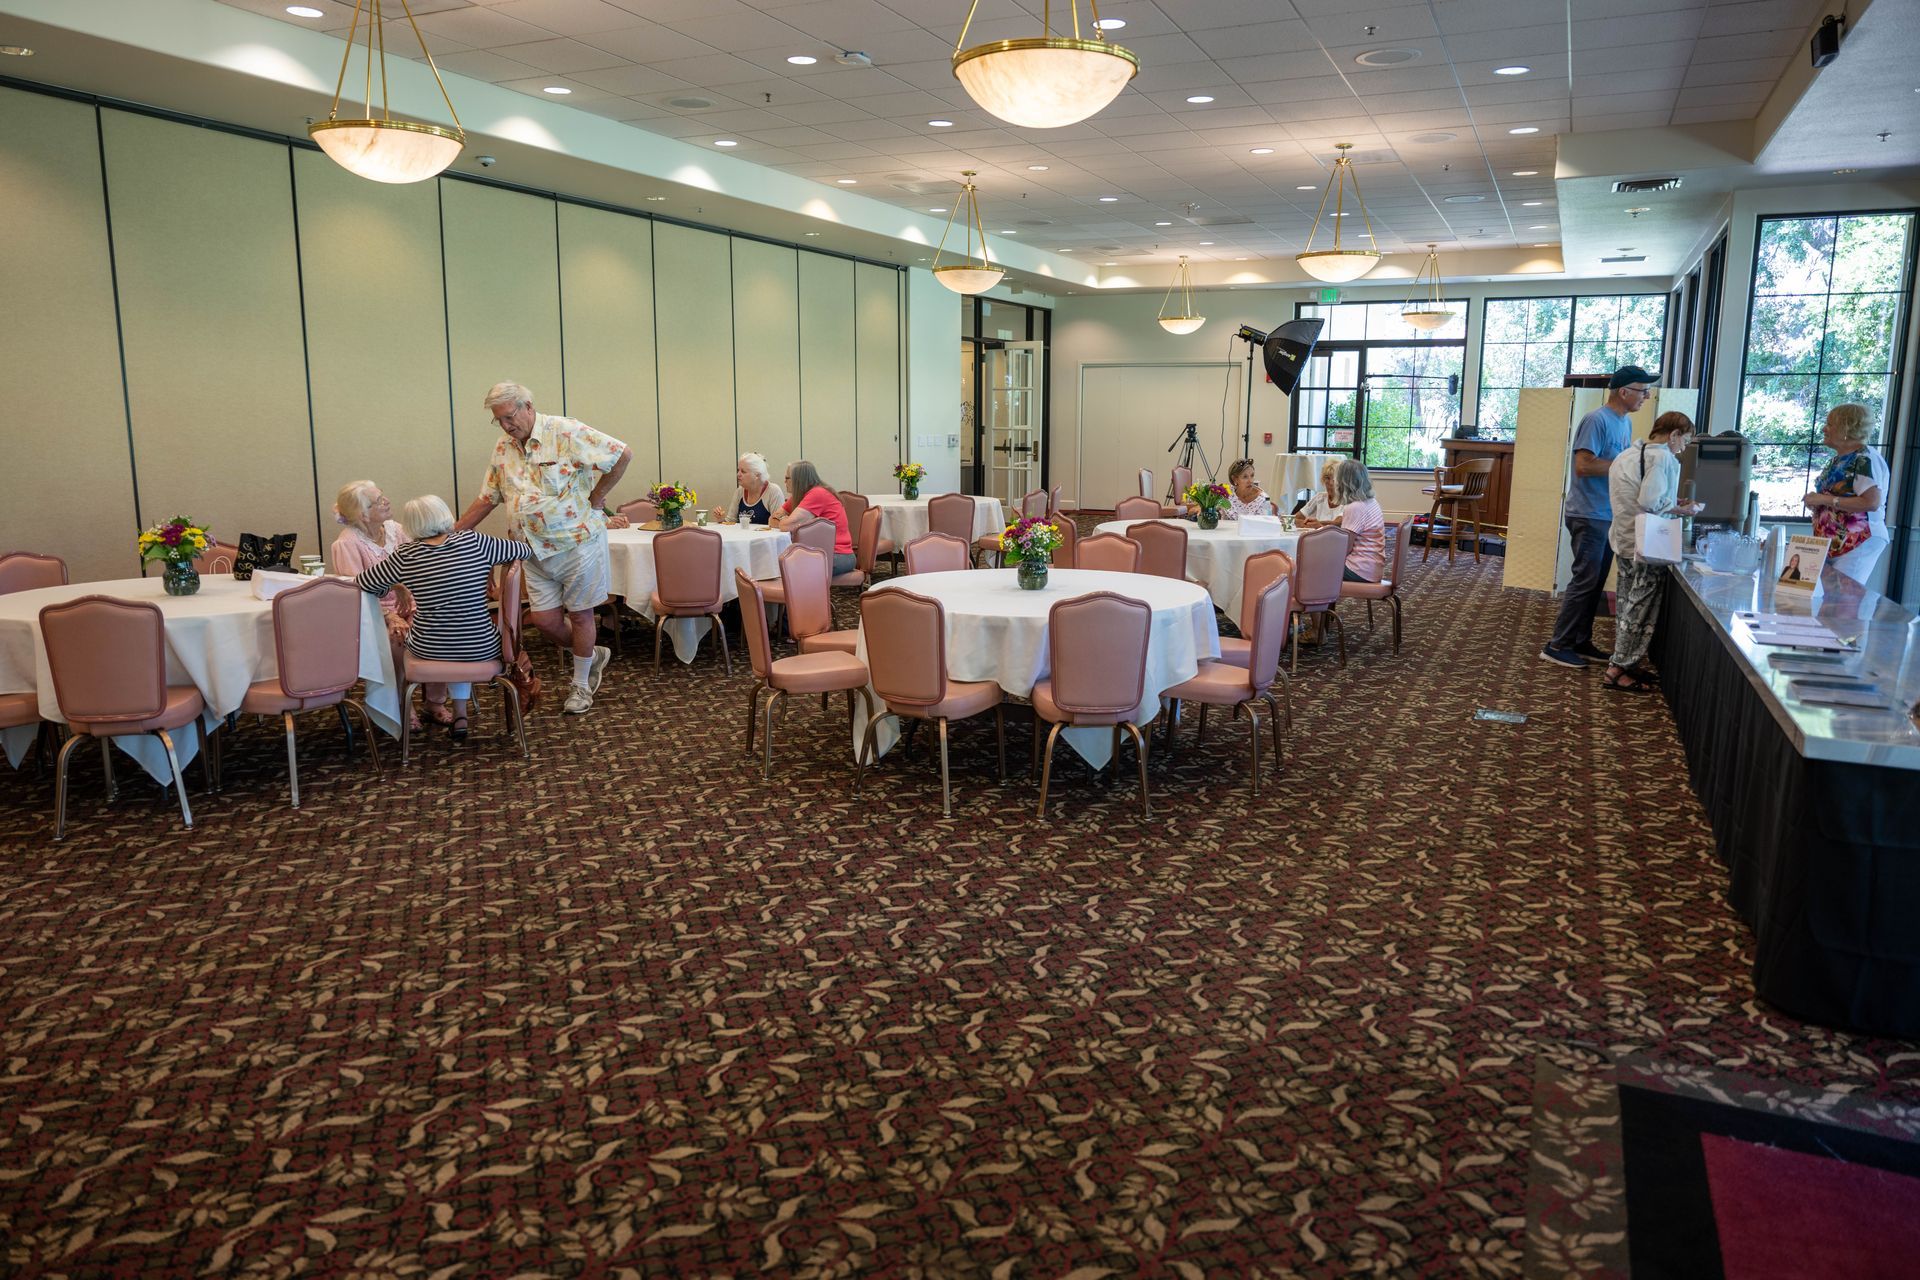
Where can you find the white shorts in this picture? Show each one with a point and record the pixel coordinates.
(576, 579)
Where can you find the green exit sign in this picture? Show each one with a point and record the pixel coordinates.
(1329, 296)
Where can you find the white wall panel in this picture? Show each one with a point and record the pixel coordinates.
(877, 377)
(606, 294)
(766, 350)
(827, 367)
(693, 293)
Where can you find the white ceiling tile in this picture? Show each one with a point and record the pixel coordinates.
(483, 66)
(1643, 81)
(1724, 95)
(565, 17)
(648, 43)
(1262, 38)
(1759, 44)
(1795, 16)
(1276, 66)
(1673, 53)
(633, 81)
(1769, 69)
(560, 55)
(480, 28)
(1708, 115)
(847, 22)
(745, 31)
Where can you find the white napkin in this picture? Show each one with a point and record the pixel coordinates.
(268, 583)
(1261, 526)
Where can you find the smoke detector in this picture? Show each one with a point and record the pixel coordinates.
(853, 58)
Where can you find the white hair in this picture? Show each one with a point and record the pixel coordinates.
(511, 394)
(426, 517)
(756, 466)
(354, 500)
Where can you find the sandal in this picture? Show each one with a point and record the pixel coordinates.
(1626, 681)
(440, 712)
(413, 722)
(459, 730)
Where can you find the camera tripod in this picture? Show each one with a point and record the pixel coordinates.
(1188, 442)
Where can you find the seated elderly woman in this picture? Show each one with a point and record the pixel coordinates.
(1321, 506)
(446, 573)
(755, 497)
(370, 536)
(1361, 517)
(811, 494)
(1246, 497)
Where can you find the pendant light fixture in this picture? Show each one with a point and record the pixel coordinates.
(382, 148)
(1338, 265)
(1186, 321)
(1045, 81)
(1427, 312)
(966, 276)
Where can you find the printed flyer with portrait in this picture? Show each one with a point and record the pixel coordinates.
(1801, 572)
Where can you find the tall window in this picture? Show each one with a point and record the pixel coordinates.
(1824, 329)
(1537, 342)
(1377, 388)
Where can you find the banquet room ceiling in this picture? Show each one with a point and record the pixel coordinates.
(1154, 175)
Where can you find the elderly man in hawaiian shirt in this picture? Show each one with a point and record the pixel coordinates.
(552, 474)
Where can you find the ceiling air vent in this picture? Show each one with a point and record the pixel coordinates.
(1640, 186)
(1217, 220)
(1630, 257)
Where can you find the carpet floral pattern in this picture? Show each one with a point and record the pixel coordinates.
(629, 1010)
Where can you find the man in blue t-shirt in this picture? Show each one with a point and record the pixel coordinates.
(1601, 436)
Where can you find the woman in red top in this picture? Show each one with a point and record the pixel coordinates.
(811, 494)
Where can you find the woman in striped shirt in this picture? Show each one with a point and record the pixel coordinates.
(446, 573)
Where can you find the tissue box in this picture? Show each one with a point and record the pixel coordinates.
(268, 583)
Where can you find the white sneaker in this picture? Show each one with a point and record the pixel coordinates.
(579, 700)
(601, 656)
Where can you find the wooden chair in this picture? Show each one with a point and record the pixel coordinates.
(1459, 491)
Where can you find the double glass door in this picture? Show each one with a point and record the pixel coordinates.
(1011, 377)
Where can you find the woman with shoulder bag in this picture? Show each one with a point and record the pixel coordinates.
(1643, 480)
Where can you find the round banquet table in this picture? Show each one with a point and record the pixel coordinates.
(904, 519)
(219, 640)
(755, 549)
(1217, 558)
(998, 632)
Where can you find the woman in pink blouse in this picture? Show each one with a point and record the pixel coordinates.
(1361, 517)
(811, 494)
(370, 536)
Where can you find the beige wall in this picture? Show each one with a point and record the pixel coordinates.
(286, 327)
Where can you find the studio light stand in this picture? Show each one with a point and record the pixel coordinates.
(1254, 340)
(1188, 442)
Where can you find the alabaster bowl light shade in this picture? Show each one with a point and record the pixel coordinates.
(968, 279)
(1044, 83)
(388, 150)
(1181, 324)
(1426, 319)
(1337, 266)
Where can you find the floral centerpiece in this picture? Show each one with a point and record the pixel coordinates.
(175, 543)
(1210, 496)
(671, 499)
(1030, 542)
(909, 474)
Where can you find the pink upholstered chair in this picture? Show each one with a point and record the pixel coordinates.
(316, 637)
(856, 505)
(1182, 477)
(687, 568)
(219, 557)
(804, 673)
(1261, 569)
(1065, 557)
(806, 530)
(506, 586)
(951, 514)
(938, 553)
(866, 545)
(1097, 648)
(1320, 562)
(1221, 684)
(1136, 509)
(1388, 588)
(29, 571)
(1053, 500)
(1033, 504)
(1146, 486)
(1163, 548)
(907, 655)
(109, 664)
(640, 511)
(805, 575)
(1108, 552)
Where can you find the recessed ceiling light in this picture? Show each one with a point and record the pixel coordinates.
(813, 233)
(1306, 186)
(1531, 204)
(1109, 264)
(1526, 173)
(1109, 199)
(936, 210)
(1340, 215)
(1205, 243)
(1387, 57)
(1009, 233)
(939, 124)
(1163, 224)
(1511, 71)
(1464, 199)
(1432, 137)
(1239, 259)
(1543, 246)
(1200, 99)
(305, 11)
(725, 142)
(1109, 24)
(1838, 172)
(1263, 151)
(847, 182)
(1541, 226)
(656, 199)
(557, 90)
(16, 50)
(802, 59)
(1525, 128)
(1036, 168)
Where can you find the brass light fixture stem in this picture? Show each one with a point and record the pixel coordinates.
(375, 23)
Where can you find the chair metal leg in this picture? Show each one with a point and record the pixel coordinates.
(1046, 770)
(1000, 736)
(946, 787)
(106, 761)
(659, 625)
(1341, 628)
(60, 784)
(726, 650)
(753, 711)
(293, 760)
(179, 783)
(1140, 750)
(366, 721)
(864, 756)
(346, 725)
(1201, 735)
(766, 770)
(1296, 643)
(1273, 722)
(1369, 615)
(1395, 598)
(1253, 737)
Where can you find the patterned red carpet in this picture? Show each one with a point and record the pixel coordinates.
(628, 1010)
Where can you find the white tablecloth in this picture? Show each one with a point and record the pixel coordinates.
(1217, 558)
(1293, 472)
(904, 519)
(756, 549)
(219, 640)
(998, 632)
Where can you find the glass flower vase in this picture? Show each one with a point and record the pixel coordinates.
(1209, 517)
(670, 519)
(180, 578)
(1031, 575)
(910, 490)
